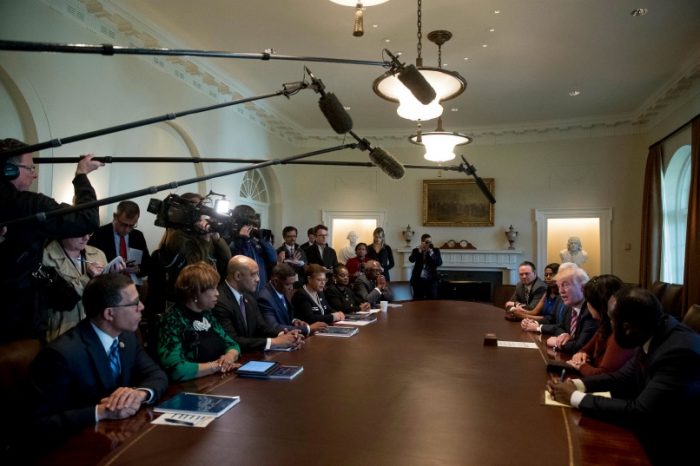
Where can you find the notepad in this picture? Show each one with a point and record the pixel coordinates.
(342, 332)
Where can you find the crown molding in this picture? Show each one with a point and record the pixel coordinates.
(114, 23)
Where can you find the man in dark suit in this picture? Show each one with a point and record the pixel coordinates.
(275, 306)
(371, 286)
(98, 369)
(424, 277)
(529, 289)
(577, 326)
(320, 253)
(657, 392)
(117, 238)
(291, 253)
(311, 239)
(237, 311)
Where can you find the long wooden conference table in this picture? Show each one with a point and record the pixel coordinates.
(416, 387)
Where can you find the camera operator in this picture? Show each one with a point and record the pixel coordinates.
(180, 246)
(252, 242)
(21, 252)
(424, 278)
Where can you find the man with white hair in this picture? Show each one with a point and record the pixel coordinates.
(578, 325)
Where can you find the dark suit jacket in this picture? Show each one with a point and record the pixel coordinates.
(275, 314)
(71, 375)
(657, 394)
(329, 259)
(585, 329)
(538, 289)
(103, 239)
(306, 309)
(252, 335)
(432, 262)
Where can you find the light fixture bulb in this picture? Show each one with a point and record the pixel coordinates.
(440, 144)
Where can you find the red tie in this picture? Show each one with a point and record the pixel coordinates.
(122, 247)
(574, 323)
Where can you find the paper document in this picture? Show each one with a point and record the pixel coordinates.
(517, 344)
(183, 420)
(394, 305)
(135, 255)
(371, 311)
(549, 401)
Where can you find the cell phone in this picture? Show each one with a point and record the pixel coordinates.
(130, 263)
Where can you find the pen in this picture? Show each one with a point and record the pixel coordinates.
(563, 374)
(178, 421)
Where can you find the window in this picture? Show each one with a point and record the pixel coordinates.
(254, 193)
(675, 188)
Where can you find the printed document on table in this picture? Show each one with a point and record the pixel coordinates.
(549, 401)
(183, 420)
(517, 344)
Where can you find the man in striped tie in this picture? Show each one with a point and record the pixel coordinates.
(578, 325)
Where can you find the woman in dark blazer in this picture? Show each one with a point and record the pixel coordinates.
(309, 302)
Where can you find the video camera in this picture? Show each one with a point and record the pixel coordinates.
(183, 214)
(179, 213)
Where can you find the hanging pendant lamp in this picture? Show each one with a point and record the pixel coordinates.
(359, 26)
(447, 85)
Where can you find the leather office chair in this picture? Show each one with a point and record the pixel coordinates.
(501, 294)
(692, 317)
(658, 288)
(671, 300)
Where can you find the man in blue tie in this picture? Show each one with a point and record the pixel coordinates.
(97, 370)
(275, 305)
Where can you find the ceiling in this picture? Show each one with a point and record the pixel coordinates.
(538, 52)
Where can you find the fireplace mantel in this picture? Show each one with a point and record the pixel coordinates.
(506, 261)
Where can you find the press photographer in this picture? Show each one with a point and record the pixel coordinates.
(253, 242)
(189, 238)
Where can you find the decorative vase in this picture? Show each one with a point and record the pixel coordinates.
(511, 234)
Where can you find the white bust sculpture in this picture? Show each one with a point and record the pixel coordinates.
(574, 252)
(348, 251)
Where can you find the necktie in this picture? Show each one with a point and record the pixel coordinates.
(241, 305)
(114, 362)
(122, 246)
(574, 323)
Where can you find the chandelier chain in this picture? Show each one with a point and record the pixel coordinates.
(420, 26)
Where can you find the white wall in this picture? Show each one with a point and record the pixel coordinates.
(70, 94)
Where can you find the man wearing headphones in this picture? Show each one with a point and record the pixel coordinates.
(20, 253)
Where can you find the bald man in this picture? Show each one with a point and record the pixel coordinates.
(238, 312)
(372, 286)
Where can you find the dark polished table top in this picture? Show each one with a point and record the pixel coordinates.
(416, 387)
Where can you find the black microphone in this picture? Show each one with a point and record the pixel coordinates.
(387, 163)
(330, 106)
(413, 80)
(470, 170)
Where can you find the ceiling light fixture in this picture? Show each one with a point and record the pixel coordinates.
(439, 144)
(359, 25)
(639, 12)
(447, 84)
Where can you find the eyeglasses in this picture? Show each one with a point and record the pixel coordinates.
(138, 301)
(126, 225)
(29, 168)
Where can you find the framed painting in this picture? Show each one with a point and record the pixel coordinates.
(457, 203)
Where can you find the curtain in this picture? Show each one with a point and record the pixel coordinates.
(652, 219)
(691, 275)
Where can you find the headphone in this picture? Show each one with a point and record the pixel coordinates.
(10, 171)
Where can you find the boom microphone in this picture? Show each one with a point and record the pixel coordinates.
(413, 80)
(387, 163)
(330, 106)
(335, 113)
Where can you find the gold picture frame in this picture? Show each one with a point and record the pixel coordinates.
(457, 203)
